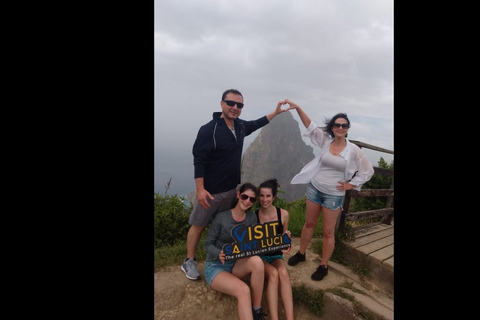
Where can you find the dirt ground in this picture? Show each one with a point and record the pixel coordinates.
(177, 297)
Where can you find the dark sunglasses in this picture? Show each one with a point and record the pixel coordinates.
(243, 196)
(343, 125)
(231, 103)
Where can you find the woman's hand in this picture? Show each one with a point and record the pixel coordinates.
(344, 186)
(289, 234)
(292, 105)
(279, 109)
(221, 256)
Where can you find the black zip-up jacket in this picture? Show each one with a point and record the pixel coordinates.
(217, 155)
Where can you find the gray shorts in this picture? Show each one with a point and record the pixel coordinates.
(223, 201)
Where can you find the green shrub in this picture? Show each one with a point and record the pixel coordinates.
(378, 181)
(170, 219)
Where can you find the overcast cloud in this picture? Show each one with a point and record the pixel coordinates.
(328, 56)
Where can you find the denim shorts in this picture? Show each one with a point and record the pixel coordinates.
(326, 200)
(270, 259)
(212, 268)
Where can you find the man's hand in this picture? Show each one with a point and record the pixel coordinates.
(202, 196)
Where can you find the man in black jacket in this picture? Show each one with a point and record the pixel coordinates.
(217, 155)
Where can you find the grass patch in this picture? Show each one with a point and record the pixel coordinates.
(169, 255)
(339, 292)
(342, 254)
(309, 298)
(296, 211)
(360, 268)
(358, 309)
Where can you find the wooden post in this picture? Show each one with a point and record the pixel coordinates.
(346, 204)
(388, 218)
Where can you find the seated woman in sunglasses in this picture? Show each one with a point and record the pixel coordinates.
(226, 276)
(339, 166)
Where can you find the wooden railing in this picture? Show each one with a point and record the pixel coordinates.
(386, 213)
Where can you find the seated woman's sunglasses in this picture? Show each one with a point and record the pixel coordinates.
(243, 196)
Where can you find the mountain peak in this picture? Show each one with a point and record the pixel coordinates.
(278, 152)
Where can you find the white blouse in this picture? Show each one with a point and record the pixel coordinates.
(356, 159)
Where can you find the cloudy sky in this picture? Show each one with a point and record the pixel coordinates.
(328, 56)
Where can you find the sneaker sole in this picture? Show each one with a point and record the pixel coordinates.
(294, 264)
(311, 277)
(318, 279)
(191, 278)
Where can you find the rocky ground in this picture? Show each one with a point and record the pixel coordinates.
(177, 297)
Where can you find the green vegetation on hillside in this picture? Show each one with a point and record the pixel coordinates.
(171, 214)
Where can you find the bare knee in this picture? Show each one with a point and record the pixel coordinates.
(243, 291)
(283, 275)
(328, 235)
(196, 230)
(272, 276)
(310, 225)
(257, 264)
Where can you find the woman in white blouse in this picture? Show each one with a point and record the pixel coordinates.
(339, 166)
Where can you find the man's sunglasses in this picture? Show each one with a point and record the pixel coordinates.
(231, 103)
(243, 196)
(343, 125)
